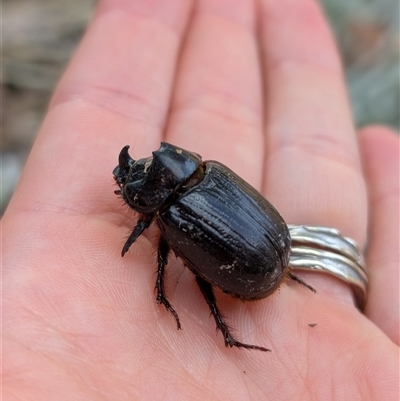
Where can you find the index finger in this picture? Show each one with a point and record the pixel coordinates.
(115, 92)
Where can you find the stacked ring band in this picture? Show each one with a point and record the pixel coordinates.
(326, 250)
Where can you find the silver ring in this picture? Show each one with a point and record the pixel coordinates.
(325, 249)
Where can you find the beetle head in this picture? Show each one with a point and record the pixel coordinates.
(146, 184)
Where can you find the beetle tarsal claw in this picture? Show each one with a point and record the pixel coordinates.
(168, 306)
(231, 342)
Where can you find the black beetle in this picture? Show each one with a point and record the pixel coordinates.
(225, 232)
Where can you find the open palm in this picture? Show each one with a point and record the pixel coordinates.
(259, 87)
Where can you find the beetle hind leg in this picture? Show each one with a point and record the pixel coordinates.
(300, 281)
(163, 250)
(208, 294)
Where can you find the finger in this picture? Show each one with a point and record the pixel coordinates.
(313, 172)
(217, 99)
(380, 151)
(115, 92)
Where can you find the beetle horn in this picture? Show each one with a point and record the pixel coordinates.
(125, 161)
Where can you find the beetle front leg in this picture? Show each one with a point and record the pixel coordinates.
(163, 251)
(208, 294)
(143, 223)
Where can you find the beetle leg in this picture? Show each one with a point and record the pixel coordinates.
(208, 294)
(300, 281)
(163, 250)
(143, 223)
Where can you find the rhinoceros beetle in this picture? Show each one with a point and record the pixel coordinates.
(223, 229)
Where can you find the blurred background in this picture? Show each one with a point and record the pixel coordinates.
(39, 36)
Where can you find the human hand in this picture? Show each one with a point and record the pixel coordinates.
(80, 322)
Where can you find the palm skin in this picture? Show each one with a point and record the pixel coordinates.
(80, 322)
